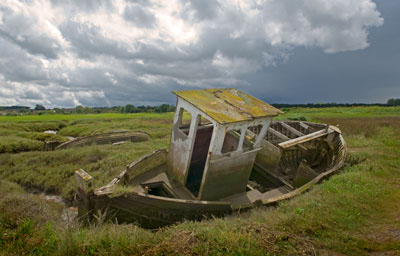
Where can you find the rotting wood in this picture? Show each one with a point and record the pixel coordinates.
(106, 138)
(275, 176)
(278, 134)
(291, 129)
(304, 125)
(305, 138)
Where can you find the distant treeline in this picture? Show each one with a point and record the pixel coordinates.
(390, 103)
(129, 108)
(14, 108)
(328, 105)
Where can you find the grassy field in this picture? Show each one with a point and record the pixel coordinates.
(355, 212)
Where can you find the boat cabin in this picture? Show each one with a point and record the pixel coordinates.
(212, 150)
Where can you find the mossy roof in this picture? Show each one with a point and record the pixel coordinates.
(228, 105)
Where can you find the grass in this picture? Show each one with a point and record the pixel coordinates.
(354, 212)
(25, 133)
(14, 144)
(340, 112)
(73, 117)
(52, 171)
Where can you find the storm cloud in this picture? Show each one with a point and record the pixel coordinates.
(103, 53)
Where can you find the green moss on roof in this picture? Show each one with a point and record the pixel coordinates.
(228, 105)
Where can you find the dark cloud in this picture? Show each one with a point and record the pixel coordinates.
(26, 69)
(369, 75)
(88, 42)
(25, 32)
(201, 10)
(139, 16)
(84, 5)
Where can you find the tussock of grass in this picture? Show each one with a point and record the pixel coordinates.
(14, 144)
(42, 136)
(52, 171)
(119, 190)
(157, 128)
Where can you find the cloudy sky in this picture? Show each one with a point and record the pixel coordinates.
(63, 53)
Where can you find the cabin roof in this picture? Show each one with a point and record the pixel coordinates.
(228, 105)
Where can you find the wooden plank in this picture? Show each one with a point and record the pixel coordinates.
(275, 176)
(278, 134)
(302, 147)
(304, 125)
(291, 129)
(305, 138)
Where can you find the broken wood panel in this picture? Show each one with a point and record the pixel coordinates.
(291, 129)
(305, 138)
(275, 176)
(278, 134)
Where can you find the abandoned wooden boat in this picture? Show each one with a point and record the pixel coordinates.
(105, 138)
(230, 156)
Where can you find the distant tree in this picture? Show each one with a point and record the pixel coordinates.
(129, 108)
(164, 107)
(40, 107)
(87, 110)
(393, 102)
(79, 109)
(171, 108)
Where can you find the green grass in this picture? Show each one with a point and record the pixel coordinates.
(340, 112)
(354, 212)
(52, 171)
(15, 129)
(73, 117)
(14, 144)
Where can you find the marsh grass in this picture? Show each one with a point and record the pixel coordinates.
(368, 127)
(22, 135)
(15, 144)
(52, 171)
(337, 216)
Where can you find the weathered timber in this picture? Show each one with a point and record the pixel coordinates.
(278, 134)
(304, 138)
(105, 138)
(291, 129)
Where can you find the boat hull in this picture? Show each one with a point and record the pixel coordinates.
(154, 211)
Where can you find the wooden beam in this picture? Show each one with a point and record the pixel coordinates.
(304, 125)
(278, 134)
(305, 138)
(291, 129)
(302, 147)
(275, 176)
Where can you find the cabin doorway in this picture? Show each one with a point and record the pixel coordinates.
(199, 156)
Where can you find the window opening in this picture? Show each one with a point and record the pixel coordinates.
(251, 136)
(231, 141)
(204, 121)
(185, 119)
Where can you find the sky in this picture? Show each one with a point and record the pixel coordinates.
(65, 53)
